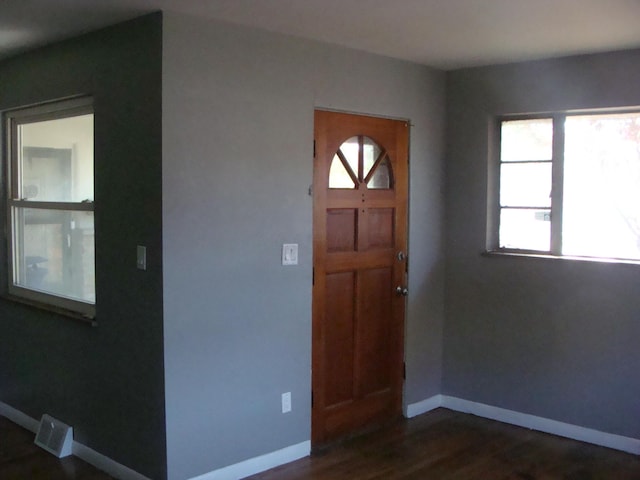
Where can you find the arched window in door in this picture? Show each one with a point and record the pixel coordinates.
(358, 161)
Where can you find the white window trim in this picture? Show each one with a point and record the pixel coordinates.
(14, 118)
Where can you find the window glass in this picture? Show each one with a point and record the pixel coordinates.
(350, 149)
(526, 229)
(381, 178)
(596, 192)
(51, 211)
(360, 153)
(338, 175)
(523, 140)
(525, 184)
(57, 159)
(370, 153)
(54, 252)
(601, 206)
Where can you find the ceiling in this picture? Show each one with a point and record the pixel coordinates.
(445, 34)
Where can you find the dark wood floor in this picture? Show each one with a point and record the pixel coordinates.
(444, 445)
(21, 459)
(440, 445)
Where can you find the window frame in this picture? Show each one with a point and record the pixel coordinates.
(557, 185)
(13, 119)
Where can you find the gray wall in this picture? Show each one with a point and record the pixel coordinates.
(107, 381)
(551, 338)
(237, 142)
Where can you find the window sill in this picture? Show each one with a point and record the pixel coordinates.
(52, 308)
(507, 254)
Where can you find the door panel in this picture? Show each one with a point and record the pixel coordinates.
(360, 210)
(374, 293)
(380, 228)
(339, 341)
(341, 229)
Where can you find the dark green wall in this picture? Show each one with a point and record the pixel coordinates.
(105, 381)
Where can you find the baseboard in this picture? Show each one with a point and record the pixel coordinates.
(575, 432)
(105, 464)
(295, 452)
(423, 406)
(90, 456)
(588, 435)
(19, 418)
(259, 464)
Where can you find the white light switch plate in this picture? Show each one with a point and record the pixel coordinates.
(290, 254)
(286, 402)
(141, 261)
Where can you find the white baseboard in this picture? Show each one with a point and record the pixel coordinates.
(90, 456)
(424, 406)
(259, 464)
(16, 416)
(588, 435)
(105, 463)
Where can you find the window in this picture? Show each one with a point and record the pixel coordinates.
(50, 224)
(569, 185)
(360, 160)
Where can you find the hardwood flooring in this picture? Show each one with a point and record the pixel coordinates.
(21, 459)
(440, 445)
(445, 445)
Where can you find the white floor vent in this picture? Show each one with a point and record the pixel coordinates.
(54, 436)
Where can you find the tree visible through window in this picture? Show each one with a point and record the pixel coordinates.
(50, 205)
(570, 185)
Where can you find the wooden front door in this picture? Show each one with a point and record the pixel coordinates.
(359, 259)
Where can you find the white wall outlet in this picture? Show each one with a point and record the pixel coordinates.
(290, 254)
(286, 402)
